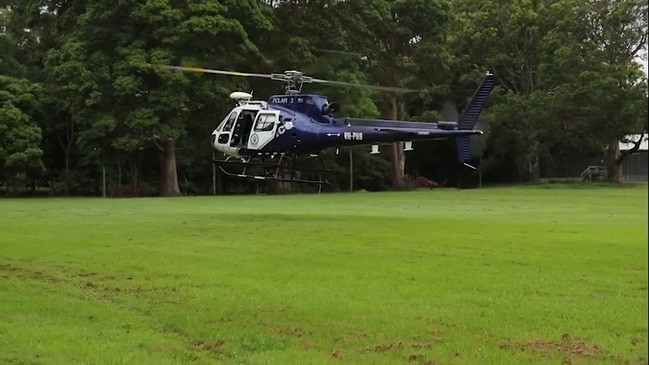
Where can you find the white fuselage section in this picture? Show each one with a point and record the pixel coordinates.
(250, 125)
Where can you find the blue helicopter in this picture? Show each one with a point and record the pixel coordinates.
(274, 135)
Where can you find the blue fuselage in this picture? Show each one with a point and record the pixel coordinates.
(313, 134)
(303, 124)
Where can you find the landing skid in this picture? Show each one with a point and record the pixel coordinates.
(278, 167)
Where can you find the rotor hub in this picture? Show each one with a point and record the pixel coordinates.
(294, 80)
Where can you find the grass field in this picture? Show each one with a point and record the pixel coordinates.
(498, 275)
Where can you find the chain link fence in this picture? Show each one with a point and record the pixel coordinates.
(572, 168)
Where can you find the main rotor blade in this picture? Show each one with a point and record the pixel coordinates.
(376, 87)
(285, 77)
(220, 72)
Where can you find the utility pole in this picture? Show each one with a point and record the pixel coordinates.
(213, 175)
(351, 171)
(480, 171)
(103, 172)
(103, 178)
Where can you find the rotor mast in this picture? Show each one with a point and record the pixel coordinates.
(294, 81)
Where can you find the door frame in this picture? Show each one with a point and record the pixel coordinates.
(260, 138)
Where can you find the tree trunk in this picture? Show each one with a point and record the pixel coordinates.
(168, 172)
(398, 165)
(119, 178)
(529, 169)
(614, 162)
(67, 150)
(534, 170)
(66, 172)
(135, 177)
(397, 158)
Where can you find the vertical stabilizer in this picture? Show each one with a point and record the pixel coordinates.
(470, 115)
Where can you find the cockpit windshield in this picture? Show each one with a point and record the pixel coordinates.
(228, 122)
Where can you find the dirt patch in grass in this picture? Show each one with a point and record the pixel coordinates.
(421, 359)
(307, 344)
(18, 361)
(383, 347)
(28, 273)
(419, 344)
(424, 344)
(213, 347)
(280, 309)
(566, 347)
(350, 338)
(100, 277)
(286, 331)
(635, 341)
(110, 293)
(58, 274)
(618, 359)
(337, 354)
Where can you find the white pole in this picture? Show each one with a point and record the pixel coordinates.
(103, 174)
(213, 175)
(351, 171)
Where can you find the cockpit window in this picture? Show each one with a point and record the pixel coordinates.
(228, 124)
(265, 122)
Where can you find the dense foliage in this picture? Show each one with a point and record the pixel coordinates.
(78, 103)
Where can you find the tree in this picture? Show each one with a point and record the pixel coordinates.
(20, 152)
(394, 34)
(323, 52)
(514, 39)
(617, 87)
(567, 79)
(33, 28)
(120, 103)
(599, 86)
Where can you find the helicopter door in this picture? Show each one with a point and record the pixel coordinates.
(264, 130)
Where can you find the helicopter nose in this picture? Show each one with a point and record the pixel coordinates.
(214, 139)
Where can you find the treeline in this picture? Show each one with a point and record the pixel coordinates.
(78, 103)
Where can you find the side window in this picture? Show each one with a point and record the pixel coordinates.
(228, 125)
(265, 123)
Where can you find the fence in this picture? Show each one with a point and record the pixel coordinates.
(634, 167)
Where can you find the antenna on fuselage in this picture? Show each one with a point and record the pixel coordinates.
(241, 97)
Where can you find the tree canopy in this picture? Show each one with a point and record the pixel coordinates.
(78, 97)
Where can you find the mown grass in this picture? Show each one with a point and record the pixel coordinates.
(497, 275)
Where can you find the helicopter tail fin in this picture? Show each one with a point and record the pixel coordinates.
(470, 115)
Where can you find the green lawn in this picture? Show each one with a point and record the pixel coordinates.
(498, 275)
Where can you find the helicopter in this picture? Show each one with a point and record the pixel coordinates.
(280, 133)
